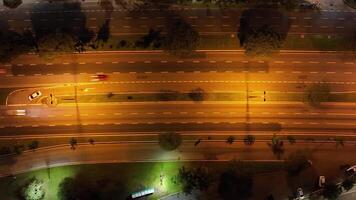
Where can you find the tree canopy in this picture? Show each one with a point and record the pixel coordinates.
(317, 93)
(82, 187)
(55, 43)
(169, 141)
(182, 39)
(262, 41)
(195, 178)
(13, 44)
(332, 191)
(34, 190)
(234, 185)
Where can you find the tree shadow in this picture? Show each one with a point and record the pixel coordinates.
(256, 18)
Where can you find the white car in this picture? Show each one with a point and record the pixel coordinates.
(34, 95)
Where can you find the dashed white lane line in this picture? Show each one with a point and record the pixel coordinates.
(212, 61)
(296, 72)
(98, 63)
(279, 72)
(117, 113)
(296, 62)
(148, 72)
(330, 72)
(347, 72)
(349, 63)
(314, 62)
(150, 113)
(330, 62)
(101, 114)
(279, 62)
(314, 72)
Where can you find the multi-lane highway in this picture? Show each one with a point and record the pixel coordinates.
(283, 78)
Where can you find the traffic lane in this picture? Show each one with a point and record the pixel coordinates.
(277, 73)
(174, 126)
(224, 91)
(216, 55)
(185, 66)
(78, 116)
(182, 107)
(73, 62)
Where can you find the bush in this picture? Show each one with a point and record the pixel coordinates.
(348, 184)
(169, 141)
(197, 94)
(5, 150)
(332, 191)
(34, 190)
(33, 145)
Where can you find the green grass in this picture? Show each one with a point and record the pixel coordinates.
(134, 176)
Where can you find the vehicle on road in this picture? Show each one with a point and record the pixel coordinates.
(18, 112)
(35, 95)
(99, 77)
(300, 193)
(321, 181)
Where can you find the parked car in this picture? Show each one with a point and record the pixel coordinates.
(35, 95)
(99, 77)
(300, 193)
(321, 181)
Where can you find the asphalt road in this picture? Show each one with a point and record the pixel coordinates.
(185, 116)
(206, 21)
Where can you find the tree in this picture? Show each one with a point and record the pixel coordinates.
(12, 3)
(317, 93)
(348, 184)
(5, 150)
(230, 139)
(13, 44)
(18, 149)
(196, 178)
(296, 163)
(197, 94)
(331, 191)
(34, 190)
(277, 146)
(181, 39)
(87, 187)
(339, 142)
(169, 141)
(91, 141)
(249, 139)
(234, 185)
(262, 41)
(73, 143)
(56, 43)
(151, 40)
(291, 139)
(33, 145)
(102, 36)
